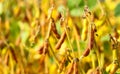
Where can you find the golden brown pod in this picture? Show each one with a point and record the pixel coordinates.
(116, 34)
(13, 54)
(91, 39)
(75, 66)
(54, 29)
(6, 58)
(61, 40)
(97, 71)
(41, 49)
(62, 63)
(86, 52)
(70, 69)
(45, 49)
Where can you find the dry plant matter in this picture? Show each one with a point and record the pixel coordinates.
(60, 37)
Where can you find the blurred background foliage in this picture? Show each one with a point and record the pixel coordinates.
(24, 25)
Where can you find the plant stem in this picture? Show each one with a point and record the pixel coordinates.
(56, 59)
(69, 41)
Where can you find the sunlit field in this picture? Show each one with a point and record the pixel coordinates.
(59, 36)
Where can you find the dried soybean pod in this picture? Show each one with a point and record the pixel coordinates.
(13, 54)
(62, 63)
(54, 29)
(45, 49)
(116, 34)
(28, 15)
(86, 52)
(42, 59)
(61, 40)
(91, 38)
(70, 69)
(75, 66)
(6, 58)
(41, 49)
(112, 38)
(97, 71)
(59, 16)
(50, 12)
(49, 30)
